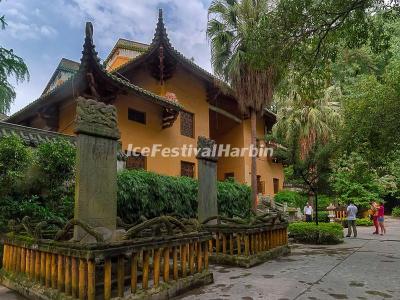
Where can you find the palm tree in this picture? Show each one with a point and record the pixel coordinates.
(307, 121)
(10, 65)
(231, 24)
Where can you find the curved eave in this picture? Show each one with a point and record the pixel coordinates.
(77, 83)
(161, 38)
(64, 91)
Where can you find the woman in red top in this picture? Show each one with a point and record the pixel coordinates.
(381, 217)
(374, 216)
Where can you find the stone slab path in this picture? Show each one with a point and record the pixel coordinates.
(364, 268)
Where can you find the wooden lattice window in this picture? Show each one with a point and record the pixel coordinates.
(187, 169)
(136, 161)
(187, 124)
(137, 116)
(276, 185)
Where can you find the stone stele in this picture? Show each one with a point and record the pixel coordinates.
(207, 176)
(96, 171)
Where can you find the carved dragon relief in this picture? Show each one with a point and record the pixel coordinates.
(96, 118)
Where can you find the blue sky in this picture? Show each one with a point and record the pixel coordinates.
(44, 31)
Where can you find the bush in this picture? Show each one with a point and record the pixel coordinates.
(396, 211)
(364, 222)
(35, 182)
(309, 233)
(293, 199)
(142, 193)
(323, 216)
(14, 161)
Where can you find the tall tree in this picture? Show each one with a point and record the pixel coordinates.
(307, 121)
(229, 27)
(11, 65)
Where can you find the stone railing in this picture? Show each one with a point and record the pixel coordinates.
(103, 271)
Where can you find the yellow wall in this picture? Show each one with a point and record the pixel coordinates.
(265, 167)
(191, 93)
(66, 123)
(119, 61)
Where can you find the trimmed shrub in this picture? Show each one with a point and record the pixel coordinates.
(293, 199)
(323, 216)
(396, 211)
(309, 233)
(143, 193)
(364, 222)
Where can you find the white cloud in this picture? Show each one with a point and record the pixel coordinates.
(24, 31)
(50, 22)
(186, 22)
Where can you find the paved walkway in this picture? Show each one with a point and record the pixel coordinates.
(364, 268)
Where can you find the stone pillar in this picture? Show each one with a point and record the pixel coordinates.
(207, 176)
(96, 172)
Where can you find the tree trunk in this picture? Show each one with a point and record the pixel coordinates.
(253, 118)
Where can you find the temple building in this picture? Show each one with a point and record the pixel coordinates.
(161, 97)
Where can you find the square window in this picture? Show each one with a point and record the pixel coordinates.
(229, 175)
(136, 116)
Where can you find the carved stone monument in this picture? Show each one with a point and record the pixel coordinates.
(96, 172)
(207, 175)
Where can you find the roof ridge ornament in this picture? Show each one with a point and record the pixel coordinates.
(160, 34)
(89, 30)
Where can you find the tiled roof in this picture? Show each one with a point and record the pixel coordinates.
(70, 86)
(161, 37)
(65, 65)
(69, 65)
(126, 44)
(31, 136)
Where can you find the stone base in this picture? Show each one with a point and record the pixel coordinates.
(34, 291)
(251, 260)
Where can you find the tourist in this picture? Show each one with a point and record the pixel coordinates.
(381, 217)
(308, 211)
(351, 219)
(374, 216)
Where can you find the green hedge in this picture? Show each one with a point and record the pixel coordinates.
(323, 216)
(396, 211)
(364, 222)
(142, 193)
(309, 233)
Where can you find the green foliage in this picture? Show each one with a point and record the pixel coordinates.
(293, 199)
(14, 160)
(323, 216)
(142, 193)
(396, 211)
(35, 182)
(353, 180)
(309, 233)
(11, 65)
(364, 222)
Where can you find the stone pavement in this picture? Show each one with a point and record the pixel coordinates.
(364, 268)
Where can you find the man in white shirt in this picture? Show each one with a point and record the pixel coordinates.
(351, 219)
(308, 212)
